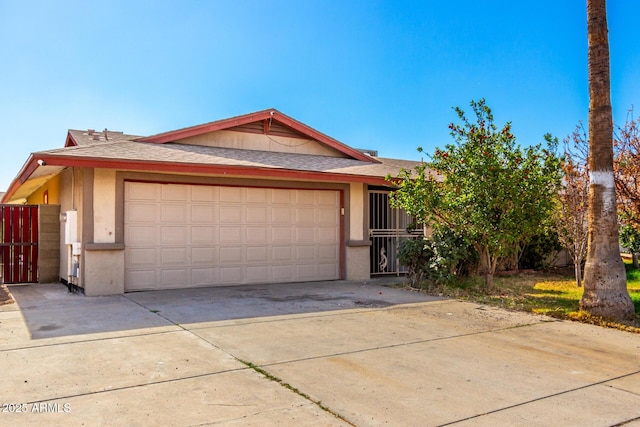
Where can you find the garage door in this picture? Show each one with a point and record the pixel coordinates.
(180, 236)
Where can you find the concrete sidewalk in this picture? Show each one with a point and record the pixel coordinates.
(174, 358)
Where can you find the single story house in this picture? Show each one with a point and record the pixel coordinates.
(257, 198)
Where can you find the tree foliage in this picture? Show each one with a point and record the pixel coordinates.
(433, 260)
(484, 187)
(570, 219)
(541, 250)
(626, 166)
(630, 238)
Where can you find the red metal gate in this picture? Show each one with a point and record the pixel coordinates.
(19, 243)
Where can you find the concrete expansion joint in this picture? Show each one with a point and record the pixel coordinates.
(293, 389)
(552, 395)
(131, 387)
(626, 422)
(624, 390)
(289, 318)
(190, 332)
(56, 344)
(402, 344)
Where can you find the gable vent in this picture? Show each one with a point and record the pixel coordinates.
(275, 129)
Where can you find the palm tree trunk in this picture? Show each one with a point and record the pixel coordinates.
(605, 283)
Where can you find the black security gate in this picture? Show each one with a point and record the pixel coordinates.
(387, 227)
(19, 243)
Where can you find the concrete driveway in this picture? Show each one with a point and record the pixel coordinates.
(336, 353)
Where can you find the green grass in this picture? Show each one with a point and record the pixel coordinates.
(633, 285)
(543, 293)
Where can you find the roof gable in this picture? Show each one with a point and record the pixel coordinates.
(267, 122)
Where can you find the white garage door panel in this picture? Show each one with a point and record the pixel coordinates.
(327, 253)
(281, 254)
(144, 279)
(142, 192)
(142, 257)
(230, 234)
(193, 235)
(230, 275)
(174, 192)
(281, 273)
(173, 256)
(174, 278)
(230, 194)
(204, 276)
(326, 271)
(204, 235)
(306, 271)
(204, 193)
(204, 256)
(203, 214)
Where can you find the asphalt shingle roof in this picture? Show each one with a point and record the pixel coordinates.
(121, 147)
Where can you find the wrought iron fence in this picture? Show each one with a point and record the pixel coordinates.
(387, 228)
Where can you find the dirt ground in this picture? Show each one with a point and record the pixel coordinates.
(5, 296)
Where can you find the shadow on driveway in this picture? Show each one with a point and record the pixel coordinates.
(51, 311)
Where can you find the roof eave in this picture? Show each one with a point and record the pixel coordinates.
(209, 169)
(25, 172)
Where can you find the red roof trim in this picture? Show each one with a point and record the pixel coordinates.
(27, 169)
(171, 136)
(301, 127)
(149, 166)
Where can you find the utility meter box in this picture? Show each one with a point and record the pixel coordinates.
(76, 248)
(70, 227)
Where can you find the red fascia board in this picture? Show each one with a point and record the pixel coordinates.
(190, 168)
(333, 143)
(171, 136)
(27, 169)
(12, 189)
(253, 117)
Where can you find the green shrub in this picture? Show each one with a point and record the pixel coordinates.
(415, 254)
(538, 250)
(435, 260)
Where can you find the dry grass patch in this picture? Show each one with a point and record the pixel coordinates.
(5, 296)
(550, 294)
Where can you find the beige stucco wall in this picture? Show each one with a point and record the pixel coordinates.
(252, 141)
(104, 272)
(357, 249)
(104, 206)
(70, 199)
(102, 254)
(357, 263)
(356, 208)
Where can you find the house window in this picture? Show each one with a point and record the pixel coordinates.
(45, 197)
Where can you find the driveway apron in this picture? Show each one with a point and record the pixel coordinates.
(328, 353)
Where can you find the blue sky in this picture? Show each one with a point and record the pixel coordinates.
(373, 74)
